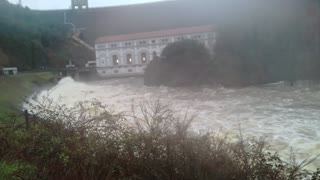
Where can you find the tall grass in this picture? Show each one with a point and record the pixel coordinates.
(15, 89)
(90, 142)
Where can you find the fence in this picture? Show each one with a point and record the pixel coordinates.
(29, 121)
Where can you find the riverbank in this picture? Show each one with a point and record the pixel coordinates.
(15, 89)
(65, 144)
(286, 116)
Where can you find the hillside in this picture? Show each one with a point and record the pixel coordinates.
(31, 41)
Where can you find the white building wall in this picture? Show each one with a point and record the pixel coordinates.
(10, 71)
(105, 52)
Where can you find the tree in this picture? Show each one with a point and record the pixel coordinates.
(27, 37)
(183, 63)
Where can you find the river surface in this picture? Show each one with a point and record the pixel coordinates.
(287, 117)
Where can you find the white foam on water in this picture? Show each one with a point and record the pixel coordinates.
(288, 117)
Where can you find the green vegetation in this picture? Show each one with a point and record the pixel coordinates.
(16, 170)
(16, 88)
(185, 63)
(29, 40)
(90, 142)
(25, 36)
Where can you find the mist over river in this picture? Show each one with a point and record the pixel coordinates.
(288, 117)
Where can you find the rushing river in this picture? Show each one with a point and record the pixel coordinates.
(288, 117)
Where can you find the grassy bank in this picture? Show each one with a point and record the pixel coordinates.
(15, 89)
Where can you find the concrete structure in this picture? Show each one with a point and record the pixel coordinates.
(137, 18)
(10, 70)
(126, 55)
(79, 4)
(91, 64)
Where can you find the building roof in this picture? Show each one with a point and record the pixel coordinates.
(9, 68)
(155, 34)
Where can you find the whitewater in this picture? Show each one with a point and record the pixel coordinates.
(287, 117)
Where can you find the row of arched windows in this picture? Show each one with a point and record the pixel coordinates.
(129, 58)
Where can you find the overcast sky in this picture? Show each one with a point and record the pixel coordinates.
(64, 4)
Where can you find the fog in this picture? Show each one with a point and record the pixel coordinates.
(269, 42)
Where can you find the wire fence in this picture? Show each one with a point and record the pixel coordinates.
(23, 120)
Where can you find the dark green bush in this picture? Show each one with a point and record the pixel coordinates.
(17, 170)
(183, 63)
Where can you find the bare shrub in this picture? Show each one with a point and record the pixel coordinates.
(89, 142)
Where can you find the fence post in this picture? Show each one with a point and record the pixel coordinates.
(14, 118)
(34, 120)
(26, 117)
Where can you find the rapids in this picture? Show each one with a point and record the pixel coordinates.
(287, 117)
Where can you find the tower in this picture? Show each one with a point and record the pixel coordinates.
(79, 4)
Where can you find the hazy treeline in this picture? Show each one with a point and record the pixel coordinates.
(270, 41)
(257, 42)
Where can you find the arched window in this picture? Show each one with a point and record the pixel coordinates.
(143, 57)
(154, 54)
(129, 59)
(115, 60)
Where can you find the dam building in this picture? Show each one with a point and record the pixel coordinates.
(129, 54)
